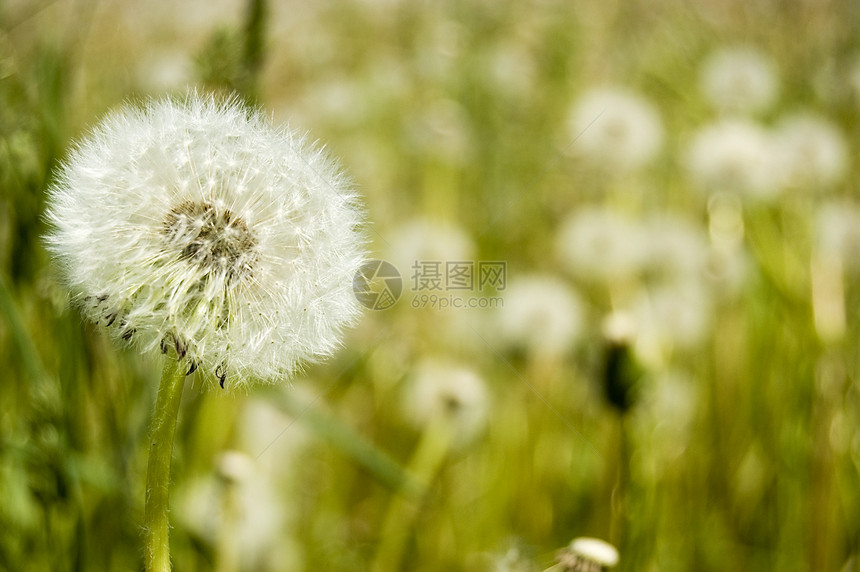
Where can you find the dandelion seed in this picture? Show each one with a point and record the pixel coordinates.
(196, 227)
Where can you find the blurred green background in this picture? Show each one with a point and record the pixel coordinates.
(671, 365)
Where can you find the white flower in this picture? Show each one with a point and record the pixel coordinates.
(739, 80)
(734, 155)
(616, 128)
(811, 151)
(601, 244)
(195, 226)
(542, 314)
(443, 390)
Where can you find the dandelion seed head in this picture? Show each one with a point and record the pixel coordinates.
(734, 155)
(616, 128)
(542, 314)
(245, 500)
(440, 389)
(740, 80)
(600, 244)
(811, 151)
(588, 554)
(195, 227)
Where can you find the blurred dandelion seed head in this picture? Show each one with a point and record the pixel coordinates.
(600, 244)
(811, 151)
(194, 225)
(739, 80)
(616, 128)
(248, 503)
(541, 314)
(734, 155)
(440, 389)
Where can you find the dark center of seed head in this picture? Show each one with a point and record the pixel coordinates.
(213, 238)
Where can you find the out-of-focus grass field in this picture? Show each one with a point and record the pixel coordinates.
(674, 368)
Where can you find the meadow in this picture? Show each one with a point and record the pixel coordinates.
(626, 249)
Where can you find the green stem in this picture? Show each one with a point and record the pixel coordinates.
(23, 339)
(156, 525)
(400, 516)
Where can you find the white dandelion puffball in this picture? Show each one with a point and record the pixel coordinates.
(616, 128)
(734, 155)
(811, 151)
(584, 551)
(602, 245)
(195, 227)
(439, 389)
(740, 80)
(542, 314)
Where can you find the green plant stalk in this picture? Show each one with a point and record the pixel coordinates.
(156, 524)
(23, 339)
(426, 461)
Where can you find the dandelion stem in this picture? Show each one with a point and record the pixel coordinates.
(156, 525)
